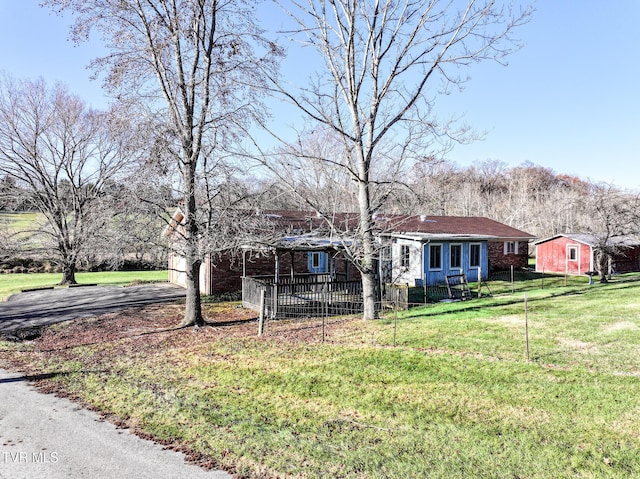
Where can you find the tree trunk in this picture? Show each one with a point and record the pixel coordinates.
(193, 307)
(68, 273)
(368, 264)
(369, 295)
(602, 263)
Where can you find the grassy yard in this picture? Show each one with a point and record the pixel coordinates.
(19, 221)
(14, 283)
(455, 397)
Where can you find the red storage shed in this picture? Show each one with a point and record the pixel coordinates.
(574, 253)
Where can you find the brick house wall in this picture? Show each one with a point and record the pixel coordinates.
(501, 260)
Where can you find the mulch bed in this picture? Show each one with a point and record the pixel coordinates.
(147, 329)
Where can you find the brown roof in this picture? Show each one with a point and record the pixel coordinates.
(455, 225)
(297, 222)
(404, 224)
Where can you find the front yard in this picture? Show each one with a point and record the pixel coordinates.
(455, 397)
(15, 282)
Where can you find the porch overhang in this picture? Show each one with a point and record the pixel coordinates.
(301, 243)
(431, 237)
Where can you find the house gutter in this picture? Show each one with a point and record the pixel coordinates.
(424, 268)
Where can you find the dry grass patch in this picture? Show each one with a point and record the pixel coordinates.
(622, 325)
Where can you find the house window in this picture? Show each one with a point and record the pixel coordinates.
(573, 253)
(474, 255)
(455, 256)
(405, 256)
(511, 247)
(435, 256)
(315, 260)
(385, 253)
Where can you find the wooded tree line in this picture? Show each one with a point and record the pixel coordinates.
(190, 80)
(530, 197)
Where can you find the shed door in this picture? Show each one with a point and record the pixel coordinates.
(573, 259)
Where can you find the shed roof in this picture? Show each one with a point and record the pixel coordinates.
(592, 240)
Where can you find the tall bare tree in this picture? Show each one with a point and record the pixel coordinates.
(384, 64)
(193, 65)
(60, 155)
(612, 216)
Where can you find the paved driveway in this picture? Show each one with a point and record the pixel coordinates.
(38, 308)
(42, 435)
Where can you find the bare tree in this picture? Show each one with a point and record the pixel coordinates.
(612, 215)
(384, 65)
(437, 186)
(193, 64)
(60, 155)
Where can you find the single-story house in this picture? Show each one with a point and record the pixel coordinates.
(418, 250)
(575, 254)
(425, 250)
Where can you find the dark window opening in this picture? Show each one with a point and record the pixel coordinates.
(435, 256)
(474, 256)
(455, 256)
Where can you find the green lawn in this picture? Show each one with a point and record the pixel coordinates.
(454, 398)
(19, 221)
(14, 283)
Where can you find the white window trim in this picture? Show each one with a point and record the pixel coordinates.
(403, 256)
(577, 250)
(451, 267)
(479, 265)
(506, 247)
(441, 254)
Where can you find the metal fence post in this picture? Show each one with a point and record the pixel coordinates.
(325, 309)
(526, 324)
(261, 317)
(395, 319)
(513, 286)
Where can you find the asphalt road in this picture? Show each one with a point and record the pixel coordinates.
(38, 308)
(42, 435)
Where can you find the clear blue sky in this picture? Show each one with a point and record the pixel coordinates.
(569, 100)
